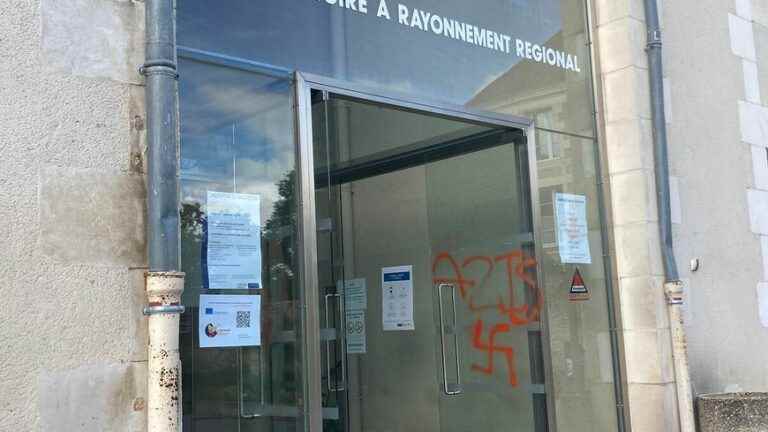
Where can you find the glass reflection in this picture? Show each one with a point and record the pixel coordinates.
(237, 138)
(579, 339)
(399, 50)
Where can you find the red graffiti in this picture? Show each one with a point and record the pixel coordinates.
(491, 348)
(458, 280)
(518, 267)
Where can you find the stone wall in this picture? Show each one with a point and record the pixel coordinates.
(717, 135)
(71, 105)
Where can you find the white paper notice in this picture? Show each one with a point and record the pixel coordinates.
(397, 298)
(572, 230)
(355, 295)
(230, 320)
(355, 331)
(234, 241)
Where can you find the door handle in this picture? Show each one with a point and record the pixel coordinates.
(341, 338)
(455, 388)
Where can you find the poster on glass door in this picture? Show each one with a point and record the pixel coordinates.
(229, 321)
(397, 298)
(572, 229)
(233, 250)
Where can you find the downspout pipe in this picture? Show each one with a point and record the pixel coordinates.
(659, 121)
(163, 233)
(672, 284)
(164, 281)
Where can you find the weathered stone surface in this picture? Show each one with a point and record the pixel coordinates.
(733, 412)
(103, 39)
(63, 312)
(90, 216)
(97, 397)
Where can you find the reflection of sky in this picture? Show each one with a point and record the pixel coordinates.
(233, 133)
(312, 36)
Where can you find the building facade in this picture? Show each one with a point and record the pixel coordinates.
(394, 215)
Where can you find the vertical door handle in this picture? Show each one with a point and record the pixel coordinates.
(341, 337)
(455, 388)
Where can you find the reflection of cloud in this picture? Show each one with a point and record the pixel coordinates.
(237, 124)
(263, 181)
(262, 113)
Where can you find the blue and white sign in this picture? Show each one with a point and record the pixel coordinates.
(572, 229)
(229, 321)
(234, 241)
(397, 298)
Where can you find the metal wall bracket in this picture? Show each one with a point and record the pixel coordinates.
(169, 309)
(674, 292)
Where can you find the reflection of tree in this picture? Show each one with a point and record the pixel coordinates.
(279, 234)
(192, 219)
(283, 214)
(282, 223)
(279, 229)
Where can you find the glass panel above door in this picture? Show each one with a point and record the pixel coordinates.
(506, 56)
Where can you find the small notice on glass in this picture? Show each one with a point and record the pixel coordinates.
(397, 298)
(572, 230)
(355, 325)
(355, 303)
(229, 321)
(233, 254)
(355, 295)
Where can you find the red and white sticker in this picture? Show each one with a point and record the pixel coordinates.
(578, 290)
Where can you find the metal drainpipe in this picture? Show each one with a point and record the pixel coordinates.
(672, 284)
(164, 281)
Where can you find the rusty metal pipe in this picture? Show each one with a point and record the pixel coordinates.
(164, 365)
(164, 282)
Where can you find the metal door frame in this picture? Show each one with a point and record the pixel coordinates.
(304, 83)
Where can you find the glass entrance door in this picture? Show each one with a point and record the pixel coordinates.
(428, 307)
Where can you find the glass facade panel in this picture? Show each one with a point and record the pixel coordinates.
(472, 208)
(579, 338)
(508, 56)
(237, 139)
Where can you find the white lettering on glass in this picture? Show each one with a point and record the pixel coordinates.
(402, 14)
(383, 10)
(465, 32)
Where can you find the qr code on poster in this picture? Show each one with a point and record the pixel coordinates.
(243, 319)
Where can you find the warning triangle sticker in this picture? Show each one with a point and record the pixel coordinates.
(579, 290)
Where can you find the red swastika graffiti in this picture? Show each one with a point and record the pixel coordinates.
(517, 312)
(492, 348)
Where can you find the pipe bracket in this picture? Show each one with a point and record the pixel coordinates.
(166, 309)
(654, 40)
(159, 67)
(674, 292)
